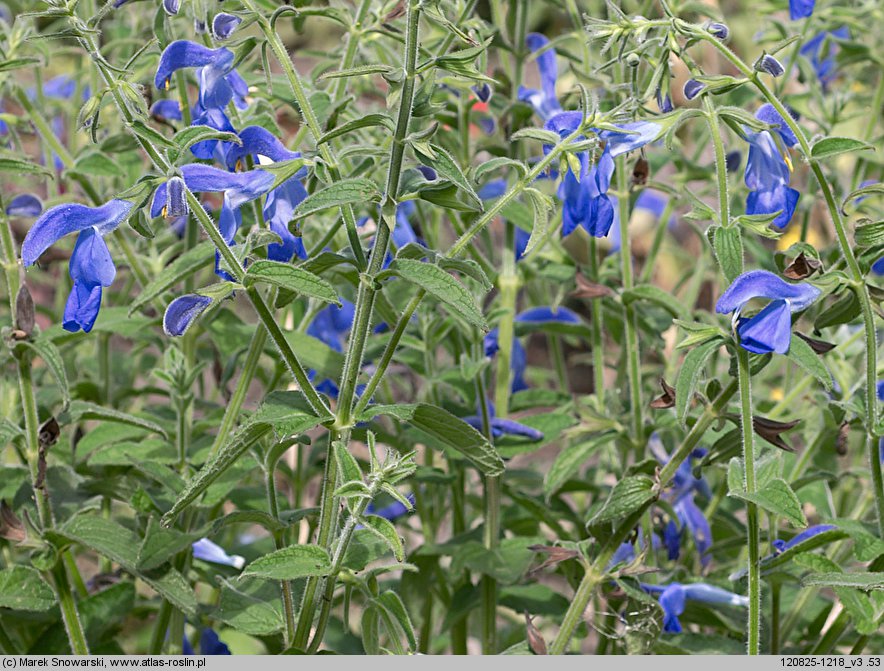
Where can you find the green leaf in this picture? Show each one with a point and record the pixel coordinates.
(689, 375)
(569, 461)
(803, 355)
(152, 136)
(467, 267)
(844, 310)
(121, 545)
(449, 430)
(16, 63)
(186, 265)
(288, 413)
(282, 171)
(863, 581)
(160, 545)
(187, 137)
(347, 191)
(541, 205)
(47, 351)
(20, 166)
(812, 543)
(80, 410)
(869, 233)
(347, 464)
(832, 146)
(778, 498)
(539, 134)
(387, 532)
(22, 588)
(861, 610)
(291, 563)
(629, 495)
(393, 610)
(648, 292)
(444, 164)
(359, 71)
(728, 244)
(367, 121)
(250, 607)
(443, 287)
(291, 278)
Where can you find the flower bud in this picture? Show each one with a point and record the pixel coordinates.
(171, 6)
(732, 160)
(176, 202)
(633, 60)
(224, 24)
(693, 88)
(664, 102)
(770, 65)
(718, 30)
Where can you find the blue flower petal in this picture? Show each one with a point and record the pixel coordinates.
(209, 551)
(214, 65)
(545, 314)
(672, 601)
(168, 109)
(768, 331)
(81, 309)
(211, 644)
(257, 141)
(182, 311)
(769, 115)
(800, 9)
(640, 133)
(764, 284)
(224, 24)
(697, 525)
(91, 261)
(24, 205)
(61, 220)
(780, 198)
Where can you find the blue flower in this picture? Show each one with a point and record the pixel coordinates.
(166, 110)
(224, 24)
(681, 497)
(281, 202)
(767, 172)
(718, 30)
(214, 76)
(780, 546)
(172, 6)
(800, 9)
(212, 149)
(238, 187)
(392, 511)
(503, 427)
(210, 644)
(584, 196)
(24, 205)
(91, 266)
(673, 597)
(544, 101)
(771, 329)
(182, 311)
(213, 553)
(519, 358)
(823, 62)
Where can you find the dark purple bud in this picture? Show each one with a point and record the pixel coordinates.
(224, 24)
(664, 102)
(732, 160)
(176, 204)
(770, 65)
(718, 30)
(199, 26)
(171, 6)
(692, 88)
(428, 173)
(483, 92)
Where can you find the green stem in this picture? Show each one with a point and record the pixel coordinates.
(69, 614)
(630, 318)
(288, 602)
(596, 574)
(491, 537)
(751, 486)
(161, 627)
(596, 336)
(311, 121)
(856, 273)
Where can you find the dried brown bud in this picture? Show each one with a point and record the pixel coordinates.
(587, 289)
(801, 267)
(818, 346)
(24, 312)
(11, 527)
(770, 430)
(667, 399)
(640, 172)
(554, 555)
(535, 638)
(841, 441)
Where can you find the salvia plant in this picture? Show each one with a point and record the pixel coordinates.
(441, 326)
